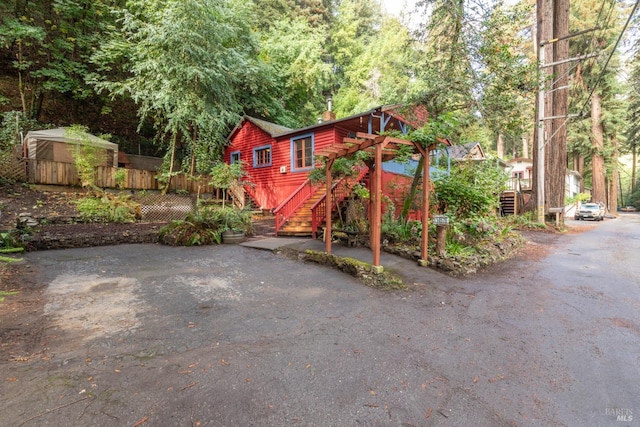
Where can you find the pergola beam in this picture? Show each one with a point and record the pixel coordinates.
(384, 148)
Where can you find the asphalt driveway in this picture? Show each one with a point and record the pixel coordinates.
(138, 335)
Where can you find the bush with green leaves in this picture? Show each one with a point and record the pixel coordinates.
(472, 189)
(398, 230)
(10, 240)
(105, 207)
(205, 225)
(86, 156)
(13, 123)
(224, 175)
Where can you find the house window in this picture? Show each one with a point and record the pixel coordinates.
(262, 156)
(235, 157)
(302, 152)
(518, 175)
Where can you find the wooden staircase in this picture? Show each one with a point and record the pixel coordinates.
(509, 203)
(299, 223)
(295, 216)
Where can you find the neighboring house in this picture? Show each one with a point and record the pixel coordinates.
(522, 181)
(468, 151)
(278, 159)
(521, 170)
(521, 173)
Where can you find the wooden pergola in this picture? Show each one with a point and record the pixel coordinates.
(384, 148)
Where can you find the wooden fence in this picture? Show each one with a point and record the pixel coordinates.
(66, 174)
(47, 172)
(58, 173)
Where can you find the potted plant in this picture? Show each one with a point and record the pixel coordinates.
(234, 223)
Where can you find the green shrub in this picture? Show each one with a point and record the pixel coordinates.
(205, 225)
(9, 240)
(108, 208)
(399, 230)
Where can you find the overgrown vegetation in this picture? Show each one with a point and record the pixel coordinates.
(224, 175)
(86, 156)
(107, 207)
(470, 197)
(205, 225)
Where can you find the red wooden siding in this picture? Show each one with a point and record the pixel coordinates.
(270, 185)
(274, 183)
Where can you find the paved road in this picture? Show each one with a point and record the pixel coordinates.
(233, 336)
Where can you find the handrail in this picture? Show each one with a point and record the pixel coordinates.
(319, 208)
(238, 193)
(291, 196)
(284, 211)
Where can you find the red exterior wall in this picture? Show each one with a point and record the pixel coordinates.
(270, 186)
(396, 187)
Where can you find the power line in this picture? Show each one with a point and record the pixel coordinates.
(606, 64)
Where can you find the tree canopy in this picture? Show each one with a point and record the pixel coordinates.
(188, 70)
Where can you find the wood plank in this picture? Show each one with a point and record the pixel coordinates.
(366, 135)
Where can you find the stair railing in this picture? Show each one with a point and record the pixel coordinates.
(284, 211)
(338, 194)
(238, 193)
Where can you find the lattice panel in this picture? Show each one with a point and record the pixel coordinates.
(168, 207)
(12, 166)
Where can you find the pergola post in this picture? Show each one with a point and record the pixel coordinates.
(426, 184)
(380, 146)
(376, 221)
(328, 211)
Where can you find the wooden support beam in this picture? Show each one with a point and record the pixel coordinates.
(366, 135)
(328, 203)
(377, 220)
(426, 183)
(338, 146)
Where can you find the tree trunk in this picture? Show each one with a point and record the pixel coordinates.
(165, 190)
(525, 147)
(556, 149)
(544, 34)
(613, 183)
(633, 167)
(500, 147)
(598, 188)
(21, 84)
(578, 166)
(413, 190)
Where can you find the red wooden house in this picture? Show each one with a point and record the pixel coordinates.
(278, 159)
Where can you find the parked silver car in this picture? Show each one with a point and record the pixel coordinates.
(592, 211)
